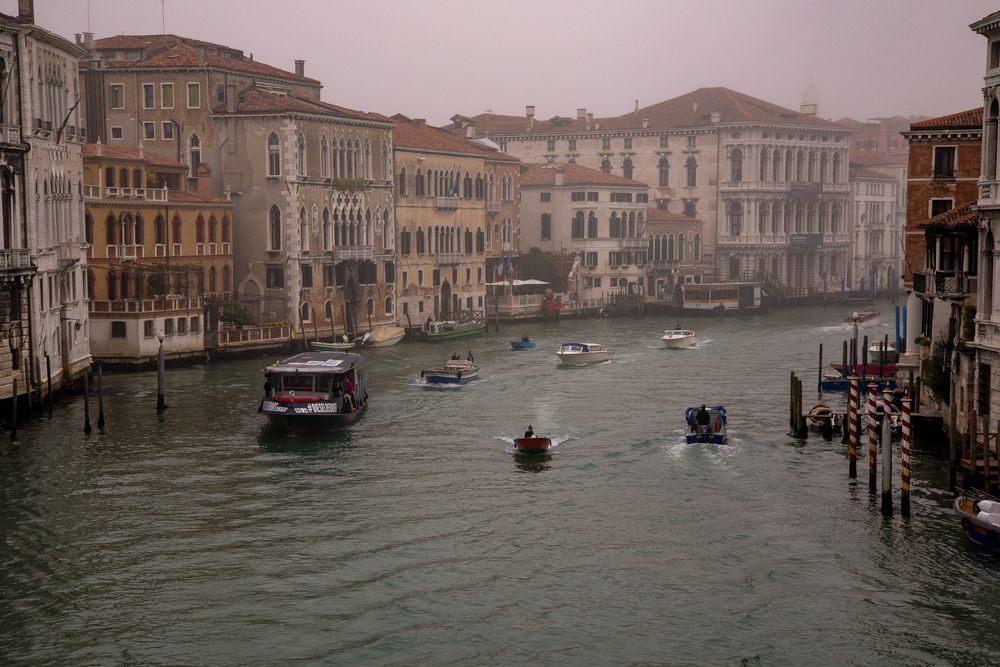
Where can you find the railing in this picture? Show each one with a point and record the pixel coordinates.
(446, 202)
(449, 258)
(15, 258)
(10, 133)
(146, 305)
(147, 194)
(353, 252)
(130, 252)
(251, 335)
(492, 207)
(634, 243)
(67, 253)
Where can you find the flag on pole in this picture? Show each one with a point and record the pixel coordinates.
(59, 132)
(506, 266)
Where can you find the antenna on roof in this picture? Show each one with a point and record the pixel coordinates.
(163, 17)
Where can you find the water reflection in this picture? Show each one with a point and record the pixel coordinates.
(532, 462)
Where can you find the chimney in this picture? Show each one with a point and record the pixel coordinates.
(637, 106)
(88, 37)
(204, 178)
(202, 56)
(470, 131)
(100, 147)
(230, 97)
(300, 68)
(560, 176)
(807, 109)
(142, 152)
(590, 120)
(26, 10)
(581, 113)
(645, 123)
(716, 117)
(529, 111)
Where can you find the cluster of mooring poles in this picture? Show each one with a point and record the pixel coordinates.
(859, 420)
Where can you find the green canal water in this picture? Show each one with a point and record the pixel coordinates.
(415, 537)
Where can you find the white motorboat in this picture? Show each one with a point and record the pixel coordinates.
(583, 353)
(875, 353)
(677, 338)
(382, 336)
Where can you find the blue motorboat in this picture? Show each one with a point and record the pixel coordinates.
(455, 371)
(523, 344)
(713, 432)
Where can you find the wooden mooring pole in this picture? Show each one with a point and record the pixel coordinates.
(973, 440)
(819, 371)
(161, 381)
(872, 440)
(86, 402)
(887, 451)
(791, 401)
(852, 426)
(986, 452)
(100, 397)
(904, 463)
(864, 360)
(48, 381)
(13, 412)
(800, 431)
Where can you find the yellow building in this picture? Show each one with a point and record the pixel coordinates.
(160, 256)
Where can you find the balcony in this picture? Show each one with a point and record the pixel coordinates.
(493, 207)
(448, 258)
(357, 252)
(146, 194)
(634, 243)
(10, 134)
(15, 259)
(67, 253)
(944, 284)
(446, 202)
(177, 303)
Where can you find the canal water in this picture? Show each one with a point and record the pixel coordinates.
(200, 536)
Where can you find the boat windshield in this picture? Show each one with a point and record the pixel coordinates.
(297, 382)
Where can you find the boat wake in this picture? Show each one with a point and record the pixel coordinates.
(435, 386)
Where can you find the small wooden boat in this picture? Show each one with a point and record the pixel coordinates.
(446, 330)
(980, 520)
(823, 417)
(455, 371)
(861, 316)
(523, 344)
(678, 338)
(322, 346)
(714, 432)
(534, 445)
(583, 353)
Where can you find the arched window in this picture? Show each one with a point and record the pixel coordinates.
(776, 167)
(305, 312)
(88, 229)
(194, 154)
(670, 247)
(388, 305)
(418, 184)
(212, 279)
(680, 247)
(836, 167)
(697, 247)
(274, 228)
(761, 218)
(385, 162)
(328, 311)
(627, 168)
(300, 154)
(480, 241)
(402, 181)
(112, 286)
(109, 177)
(225, 229)
(136, 178)
(736, 165)
(468, 241)
(140, 231)
(479, 186)
(812, 166)
(800, 160)
(691, 167)
(467, 186)
(273, 155)
(835, 220)
(664, 168)
(592, 225)
(764, 165)
(212, 230)
(370, 306)
(614, 226)
(303, 231)
(420, 241)
(227, 285)
(327, 240)
(109, 230)
(606, 165)
(175, 231)
(199, 230)
(123, 178)
(324, 157)
(822, 168)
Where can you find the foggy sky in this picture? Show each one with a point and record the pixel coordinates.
(435, 58)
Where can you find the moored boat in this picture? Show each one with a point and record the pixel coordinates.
(533, 445)
(980, 519)
(713, 432)
(861, 316)
(583, 353)
(454, 371)
(875, 354)
(383, 336)
(446, 330)
(315, 388)
(678, 338)
(523, 344)
(330, 346)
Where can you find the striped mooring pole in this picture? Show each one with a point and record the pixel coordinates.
(852, 425)
(887, 450)
(872, 439)
(904, 464)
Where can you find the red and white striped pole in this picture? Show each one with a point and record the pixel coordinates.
(852, 425)
(887, 450)
(872, 439)
(904, 501)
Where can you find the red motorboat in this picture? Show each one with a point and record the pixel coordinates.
(532, 445)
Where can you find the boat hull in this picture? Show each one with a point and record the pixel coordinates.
(583, 357)
(449, 377)
(982, 533)
(532, 445)
(389, 341)
(678, 343)
(455, 333)
(706, 438)
(320, 346)
(299, 416)
(521, 345)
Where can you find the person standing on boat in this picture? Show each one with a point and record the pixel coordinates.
(470, 358)
(454, 356)
(703, 417)
(530, 433)
(267, 386)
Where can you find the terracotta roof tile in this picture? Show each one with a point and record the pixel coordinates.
(972, 119)
(408, 133)
(659, 215)
(254, 100)
(692, 109)
(118, 153)
(573, 174)
(161, 51)
(960, 216)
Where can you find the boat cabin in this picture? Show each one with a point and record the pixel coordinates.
(581, 347)
(317, 377)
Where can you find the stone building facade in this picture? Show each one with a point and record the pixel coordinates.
(456, 203)
(599, 219)
(769, 183)
(873, 218)
(674, 253)
(49, 95)
(160, 260)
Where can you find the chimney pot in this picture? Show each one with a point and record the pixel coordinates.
(645, 123)
(26, 10)
(590, 120)
(300, 68)
(581, 113)
(637, 106)
(695, 106)
(470, 131)
(529, 111)
(807, 109)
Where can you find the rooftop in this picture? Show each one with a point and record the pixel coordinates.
(660, 215)
(960, 216)
(971, 119)
(410, 133)
(256, 100)
(95, 152)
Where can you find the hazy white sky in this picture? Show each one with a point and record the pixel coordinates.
(435, 58)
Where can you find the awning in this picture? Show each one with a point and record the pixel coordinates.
(517, 283)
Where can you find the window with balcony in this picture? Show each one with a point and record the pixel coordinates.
(736, 165)
(606, 165)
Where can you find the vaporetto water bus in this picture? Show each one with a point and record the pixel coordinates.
(315, 388)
